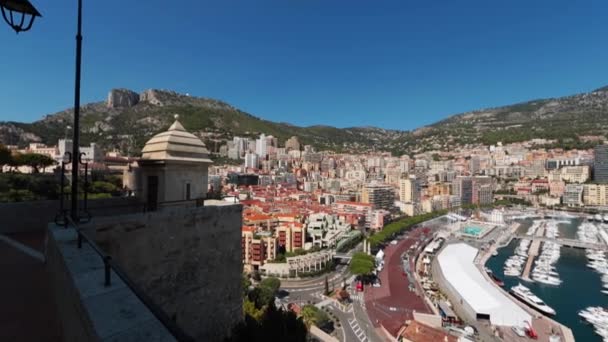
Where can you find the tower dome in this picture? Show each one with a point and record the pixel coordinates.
(176, 144)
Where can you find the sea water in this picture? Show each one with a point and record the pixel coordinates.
(581, 286)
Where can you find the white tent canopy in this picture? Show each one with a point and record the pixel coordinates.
(456, 263)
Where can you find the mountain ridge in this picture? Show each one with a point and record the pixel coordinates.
(127, 119)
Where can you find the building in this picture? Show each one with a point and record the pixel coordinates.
(573, 195)
(91, 153)
(464, 189)
(484, 194)
(595, 194)
(252, 160)
(474, 165)
(326, 229)
(409, 189)
(261, 146)
(455, 273)
(291, 236)
(173, 167)
(361, 210)
(575, 174)
(380, 196)
(600, 164)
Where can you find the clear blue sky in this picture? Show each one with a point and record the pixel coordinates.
(393, 64)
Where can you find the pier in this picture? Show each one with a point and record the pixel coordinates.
(533, 251)
(565, 242)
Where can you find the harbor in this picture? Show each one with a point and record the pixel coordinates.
(567, 279)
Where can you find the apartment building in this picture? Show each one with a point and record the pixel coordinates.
(595, 194)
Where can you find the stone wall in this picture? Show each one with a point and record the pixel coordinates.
(35, 215)
(87, 309)
(188, 260)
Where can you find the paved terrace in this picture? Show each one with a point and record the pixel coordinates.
(393, 303)
(27, 311)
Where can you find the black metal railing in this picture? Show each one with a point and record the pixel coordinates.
(110, 265)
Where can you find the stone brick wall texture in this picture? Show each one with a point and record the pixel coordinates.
(188, 260)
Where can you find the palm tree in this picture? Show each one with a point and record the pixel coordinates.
(309, 315)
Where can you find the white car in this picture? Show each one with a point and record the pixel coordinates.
(519, 331)
(394, 242)
(377, 284)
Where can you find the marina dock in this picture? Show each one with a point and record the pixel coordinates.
(533, 252)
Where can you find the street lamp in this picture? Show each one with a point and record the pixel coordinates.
(24, 8)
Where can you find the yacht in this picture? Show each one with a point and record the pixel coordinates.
(598, 217)
(606, 218)
(525, 295)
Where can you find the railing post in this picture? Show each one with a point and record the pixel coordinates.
(106, 264)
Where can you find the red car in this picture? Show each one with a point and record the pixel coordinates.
(359, 286)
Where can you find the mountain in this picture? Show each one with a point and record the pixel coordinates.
(127, 119)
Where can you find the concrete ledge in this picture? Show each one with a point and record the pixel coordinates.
(88, 310)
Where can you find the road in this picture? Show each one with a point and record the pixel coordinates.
(354, 322)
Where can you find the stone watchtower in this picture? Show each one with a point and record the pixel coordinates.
(173, 167)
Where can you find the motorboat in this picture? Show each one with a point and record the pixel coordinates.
(525, 295)
(496, 280)
(546, 279)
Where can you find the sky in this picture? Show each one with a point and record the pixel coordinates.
(392, 64)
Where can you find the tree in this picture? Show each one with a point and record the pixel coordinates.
(246, 283)
(5, 155)
(311, 315)
(101, 187)
(261, 296)
(362, 264)
(271, 283)
(250, 309)
(34, 160)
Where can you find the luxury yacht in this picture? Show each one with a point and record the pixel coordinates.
(525, 295)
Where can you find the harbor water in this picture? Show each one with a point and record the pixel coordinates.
(581, 286)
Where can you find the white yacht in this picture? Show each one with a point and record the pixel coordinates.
(598, 217)
(525, 295)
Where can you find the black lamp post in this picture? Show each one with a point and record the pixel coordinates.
(23, 7)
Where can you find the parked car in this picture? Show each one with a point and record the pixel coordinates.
(519, 331)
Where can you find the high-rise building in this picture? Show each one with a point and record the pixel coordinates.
(409, 189)
(252, 160)
(474, 165)
(380, 196)
(261, 146)
(484, 194)
(464, 188)
(600, 165)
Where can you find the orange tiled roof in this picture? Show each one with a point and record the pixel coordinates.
(419, 332)
(354, 203)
